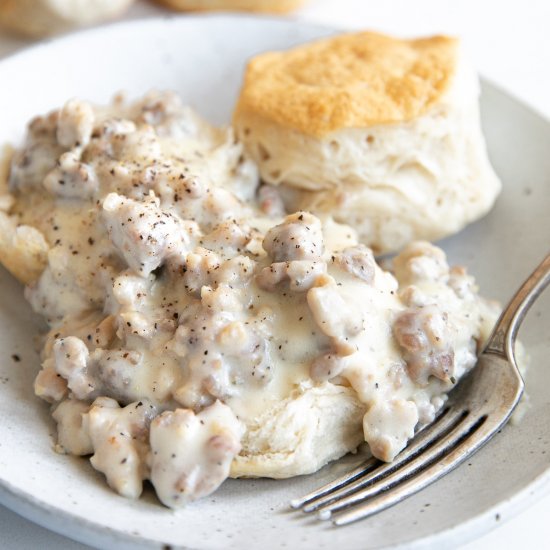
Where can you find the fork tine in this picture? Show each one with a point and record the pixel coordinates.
(421, 461)
(342, 487)
(436, 468)
(358, 472)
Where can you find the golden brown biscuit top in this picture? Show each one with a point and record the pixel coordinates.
(349, 81)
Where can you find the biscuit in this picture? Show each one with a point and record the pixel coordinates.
(23, 249)
(384, 134)
(292, 437)
(6, 155)
(46, 17)
(268, 6)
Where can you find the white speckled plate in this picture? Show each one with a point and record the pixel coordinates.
(203, 58)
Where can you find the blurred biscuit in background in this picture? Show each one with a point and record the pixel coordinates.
(383, 134)
(268, 6)
(47, 17)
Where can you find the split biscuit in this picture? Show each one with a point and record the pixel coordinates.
(302, 433)
(23, 249)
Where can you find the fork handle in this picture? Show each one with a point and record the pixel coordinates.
(504, 334)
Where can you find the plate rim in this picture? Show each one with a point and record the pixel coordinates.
(79, 529)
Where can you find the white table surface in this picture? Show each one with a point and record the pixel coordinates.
(510, 44)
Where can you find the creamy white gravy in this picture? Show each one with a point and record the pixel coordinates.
(184, 304)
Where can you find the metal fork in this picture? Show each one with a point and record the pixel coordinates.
(476, 410)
